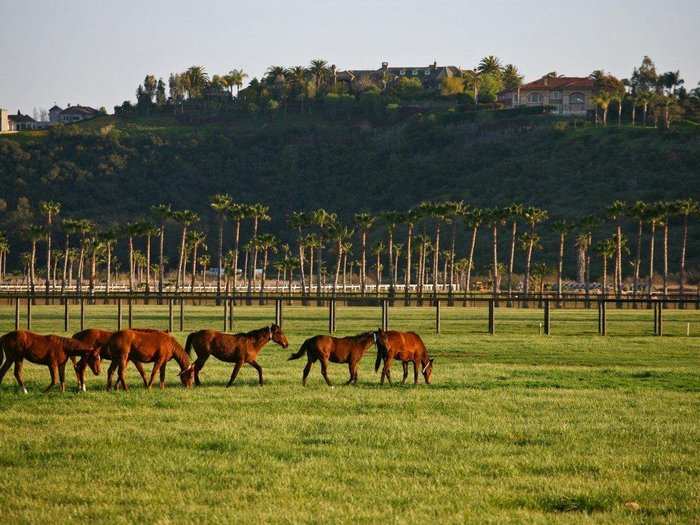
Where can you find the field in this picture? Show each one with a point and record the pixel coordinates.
(517, 427)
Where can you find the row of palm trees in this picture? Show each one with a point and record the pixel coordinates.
(427, 258)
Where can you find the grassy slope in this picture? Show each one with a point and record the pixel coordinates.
(516, 427)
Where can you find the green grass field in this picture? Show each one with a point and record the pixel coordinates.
(517, 427)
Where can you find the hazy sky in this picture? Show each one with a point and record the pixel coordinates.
(95, 52)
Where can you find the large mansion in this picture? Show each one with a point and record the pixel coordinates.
(566, 95)
(430, 76)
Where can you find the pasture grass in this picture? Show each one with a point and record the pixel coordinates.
(517, 427)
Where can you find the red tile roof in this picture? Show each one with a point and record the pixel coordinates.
(559, 83)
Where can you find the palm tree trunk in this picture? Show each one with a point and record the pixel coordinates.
(131, 263)
(651, 258)
(495, 260)
(181, 262)
(605, 277)
(311, 268)
(684, 244)
(345, 269)
(31, 267)
(392, 283)
(161, 268)
(618, 261)
(560, 265)
(48, 257)
(302, 279)
(363, 263)
(436, 258)
(528, 263)
(407, 277)
(66, 254)
(666, 227)
(221, 255)
(93, 270)
(638, 258)
(148, 263)
(109, 267)
(472, 245)
(453, 240)
(81, 266)
(235, 254)
(337, 267)
(194, 267)
(511, 259)
(319, 269)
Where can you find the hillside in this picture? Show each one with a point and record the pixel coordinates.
(112, 171)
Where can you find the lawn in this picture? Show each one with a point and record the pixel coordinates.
(517, 427)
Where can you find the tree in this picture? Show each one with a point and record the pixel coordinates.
(161, 99)
(162, 213)
(532, 216)
(495, 217)
(602, 100)
(341, 235)
(85, 228)
(195, 80)
(377, 251)
(185, 218)
(34, 233)
(615, 212)
(324, 221)
(49, 209)
(319, 71)
(108, 238)
(149, 231)
(472, 81)
(411, 219)
(685, 208)
(299, 220)
(490, 65)
(364, 222)
(70, 227)
(391, 219)
(236, 77)
(606, 249)
(473, 220)
(258, 212)
(439, 212)
(221, 204)
(562, 227)
(512, 80)
(131, 230)
(514, 212)
(195, 239)
(237, 213)
(639, 211)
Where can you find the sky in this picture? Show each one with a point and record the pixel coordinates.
(96, 52)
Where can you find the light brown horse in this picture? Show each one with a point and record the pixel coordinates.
(407, 347)
(98, 338)
(325, 348)
(147, 347)
(232, 348)
(50, 350)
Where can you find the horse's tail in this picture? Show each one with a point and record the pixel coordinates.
(301, 351)
(2, 349)
(188, 345)
(378, 361)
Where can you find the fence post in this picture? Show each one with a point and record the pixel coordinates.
(331, 316)
(170, 315)
(660, 319)
(278, 312)
(225, 312)
(602, 318)
(119, 314)
(82, 313)
(492, 317)
(656, 319)
(231, 303)
(29, 313)
(16, 313)
(437, 316)
(130, 313)
(547, 317)
(66, 318)
(182, 314)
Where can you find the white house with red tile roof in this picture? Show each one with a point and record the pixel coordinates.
(566, 95)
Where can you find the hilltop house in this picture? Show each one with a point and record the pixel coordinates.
(20, 122)
(71, 114)
(566, 95)
(430, 76)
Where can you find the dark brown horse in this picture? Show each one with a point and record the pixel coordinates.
(50, 350)
(325, 348)
(407, 347)
(147, 347)
(232, 348)
(98, 338)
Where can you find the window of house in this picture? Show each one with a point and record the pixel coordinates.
(415, 72)
(535, 98)
(426, 72)
(555, 95)
(402, 72)
(577, 98)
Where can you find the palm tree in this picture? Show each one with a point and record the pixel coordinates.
(149, 231)
(34, 234)
(539, 272)
(495, 218)
(108, 238)
(490, 65)
(563, 228)
(268, 243)
(49, 209)
(364, 222)
(512, 81)
(85, 228)
(456, 210)
(4, 250)
(342, 236)
(237, 213)
(312, 242)
(666, 210)
(258, 212)
(204, 261)
(319, 70)
(162, 213)
(69, 227)
(300, 220)
(221, 204)
(185, 218)
(472, 80)
(584, 242)
(195, 239)
(377, 251)
(131, 230)
(530, 241)
(615, 212)
(439, 212)
(685, 208)
(515, 213)
(412, 217)
(324, 221)
(297, 76)
(236, 77)
(472, 220)
(391, 219)
(639, 211)
(533, 216)
(606, 249)
(195, 79)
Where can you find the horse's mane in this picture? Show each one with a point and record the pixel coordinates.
(257, 331)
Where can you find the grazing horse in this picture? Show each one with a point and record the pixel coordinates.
(336, 350)
(50, 350)
(147, 347)
(236, 348)
(99, 338)
(407, 347)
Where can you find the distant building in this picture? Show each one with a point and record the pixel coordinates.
(4, 121)
(55, 114)
(20, 122)
(566, 95)
(73, 114)
(430, 76)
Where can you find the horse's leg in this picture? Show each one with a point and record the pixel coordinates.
(386, 371)
(198, 365)
(19, 363)
(236, 368)
(405, 371)
(351, 373)
(162, 376)
(62, 377)
(415, 372)
(121, 374)
(5, 367)
(307, 369)
(324, 371)
(110, 374)
(139, 367)
(156, 367)
(53, 369)
(255, 365)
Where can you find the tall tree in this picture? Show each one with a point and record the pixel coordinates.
(324, 221)
(606, 249)
(237, 213)
(391, 220)
(69, 227)
(49, 209)
(685, 208)
(472, 220)
(319, 71)
(162, 213)
(515, 213)
(562, 227)
(299, 220)
(258, 212)
(185, 218)
(221, 204)
(638, 211)
(34, 234)
(364, 222)
(616, 212)
(532, 216)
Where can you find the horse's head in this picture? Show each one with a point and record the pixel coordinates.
(428, 371)
(278, 336)
(187, 376)
(93, 360)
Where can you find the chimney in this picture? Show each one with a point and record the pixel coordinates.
(434, 66)
(385, 65)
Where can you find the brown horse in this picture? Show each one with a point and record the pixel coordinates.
(147, 347)
(236, 348)
(336, 350)
(407, 347)
(98, 338)
(50, 350)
